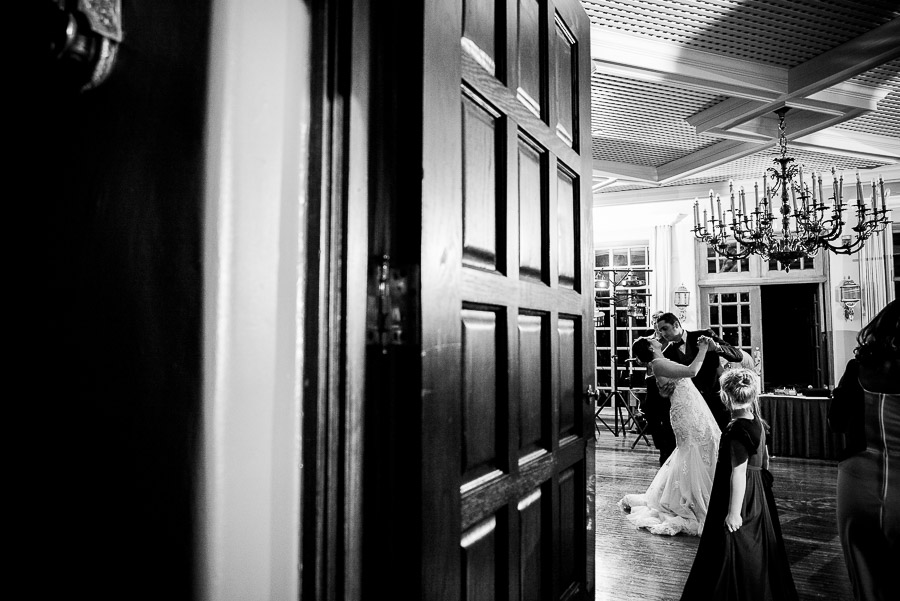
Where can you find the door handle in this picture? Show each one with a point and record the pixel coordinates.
(591, 393)
(84, 40)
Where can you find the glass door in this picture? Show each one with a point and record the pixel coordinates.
(733, 313)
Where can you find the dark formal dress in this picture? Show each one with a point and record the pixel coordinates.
(751, 563)
(868, 486)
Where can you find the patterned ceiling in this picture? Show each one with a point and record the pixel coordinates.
(684, 91)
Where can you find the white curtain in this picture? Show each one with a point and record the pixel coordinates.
(661, 263)
(875, 282)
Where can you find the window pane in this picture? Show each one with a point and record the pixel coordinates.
(729, 297)
(745, 313)
(712, 266)
(638, 256)
(745, 265)
(713, 315)
(622, 338)
(603, 337)
(729, 266)
(730, 335)
(745, 336)
(713, 298)
(601, 259)
(729, 314)
(620, 257)
(745, 297)
(603, 378)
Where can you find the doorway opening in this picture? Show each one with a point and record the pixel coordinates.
(791, 326)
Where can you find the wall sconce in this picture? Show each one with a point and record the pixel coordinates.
(849, 297)
(682, 300)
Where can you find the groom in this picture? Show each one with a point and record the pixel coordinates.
(682, 349)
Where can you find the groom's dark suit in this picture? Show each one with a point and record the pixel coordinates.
(706, 381)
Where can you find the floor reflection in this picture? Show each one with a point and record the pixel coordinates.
(633, 565)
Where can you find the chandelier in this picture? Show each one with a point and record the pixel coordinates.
(792, 220)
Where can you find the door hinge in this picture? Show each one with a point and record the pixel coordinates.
(392, 304)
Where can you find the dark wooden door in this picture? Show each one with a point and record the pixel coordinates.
(506, 307)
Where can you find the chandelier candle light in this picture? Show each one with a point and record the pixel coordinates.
(804, 222)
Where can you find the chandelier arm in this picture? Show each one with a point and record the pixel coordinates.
(724, 251)
(848, 249)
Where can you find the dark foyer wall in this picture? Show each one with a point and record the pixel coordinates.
(114, 333)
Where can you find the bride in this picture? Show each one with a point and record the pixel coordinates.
(678, 497)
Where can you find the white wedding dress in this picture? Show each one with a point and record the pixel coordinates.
(678, 497)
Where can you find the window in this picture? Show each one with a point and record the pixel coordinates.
(730, 318)
(718, 264)
(796, 264)
(616, 322)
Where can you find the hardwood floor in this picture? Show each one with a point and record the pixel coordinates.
(634, 565)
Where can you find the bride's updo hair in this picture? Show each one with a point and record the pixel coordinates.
(642, 350)
(740, 389)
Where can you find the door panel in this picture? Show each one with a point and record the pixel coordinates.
(567, 230)
(529, 35)
(532, 201)
(480, 153)
(507, 331)
(566, 81)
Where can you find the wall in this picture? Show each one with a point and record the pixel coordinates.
(631, 216)
(257, 137)
(635, 221)
(114, 317)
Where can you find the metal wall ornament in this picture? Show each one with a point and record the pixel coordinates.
(792, 219)
(849, 297)
(682, 300)
(84, 38)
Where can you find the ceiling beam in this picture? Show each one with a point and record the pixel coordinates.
(843, 142)
(848, 60)
(707, 158)
(844, 101)
(645, 59)
(625, 171)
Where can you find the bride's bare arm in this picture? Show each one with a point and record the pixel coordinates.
(671, 369)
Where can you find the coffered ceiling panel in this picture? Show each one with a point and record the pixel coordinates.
(777, 32)
(642, 123)
(684, 91)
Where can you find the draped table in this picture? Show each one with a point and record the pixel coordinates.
(799, 426)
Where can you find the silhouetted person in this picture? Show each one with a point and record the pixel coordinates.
(866, 406)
